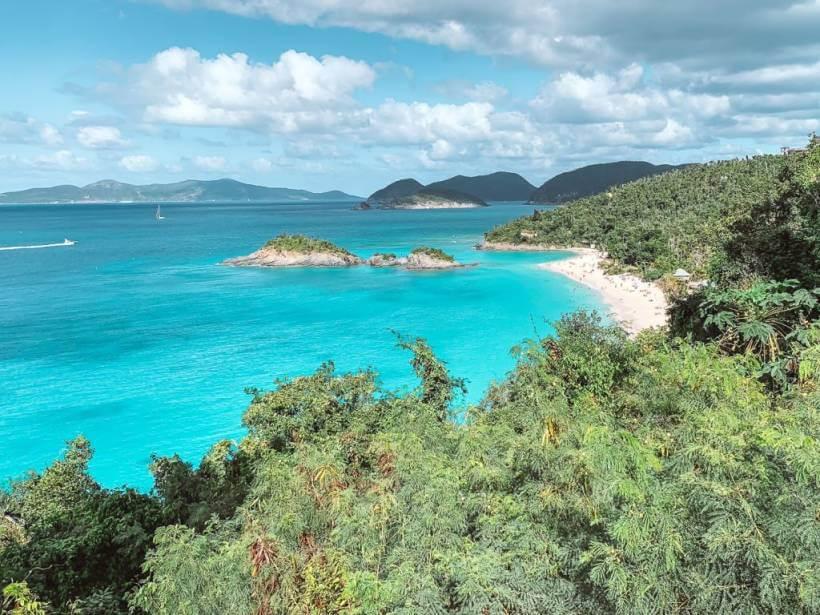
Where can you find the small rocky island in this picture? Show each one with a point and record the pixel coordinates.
(385, 259)
(297, 251)
(420, 258)
(431, 258)
(302, 251)
(426, 198)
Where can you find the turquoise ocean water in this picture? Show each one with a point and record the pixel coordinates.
(137, 338)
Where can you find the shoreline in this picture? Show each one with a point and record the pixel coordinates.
(502, 246)
(634, 303)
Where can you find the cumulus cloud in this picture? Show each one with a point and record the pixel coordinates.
(567, 33)
(179, 86)
(418, 122)
(101, 137)
(139, 163)
(620, 97)
(21, 128)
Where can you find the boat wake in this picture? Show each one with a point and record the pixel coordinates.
(62, 244)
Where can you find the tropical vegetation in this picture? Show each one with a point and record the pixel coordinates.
(686, 218)
(303, 244)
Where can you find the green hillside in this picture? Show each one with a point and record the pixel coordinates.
(595, 178)
(499, 186)
(397, 190)
(679, 219)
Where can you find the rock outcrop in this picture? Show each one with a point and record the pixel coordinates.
(297, 251)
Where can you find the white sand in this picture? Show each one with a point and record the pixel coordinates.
(634, 303)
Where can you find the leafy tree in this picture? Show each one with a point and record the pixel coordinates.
(779, 238)
(771, 321)
(193, 496)
(18, 600)
(438, 388)
(76, 539)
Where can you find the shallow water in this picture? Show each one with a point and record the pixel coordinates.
(136, 337)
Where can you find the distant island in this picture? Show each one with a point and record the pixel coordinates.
(188, 191)
(594, 179)
(423, 257)
(455, 193)
(428, 198)
(297, 251)
(302, 251)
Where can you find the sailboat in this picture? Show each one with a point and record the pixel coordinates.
(158, 215)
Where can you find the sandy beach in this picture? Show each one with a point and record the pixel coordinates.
(634, 303)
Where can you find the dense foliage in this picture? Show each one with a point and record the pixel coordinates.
(672, 473)
(498, 186)
(679, 219)
(304, 245)
(593, 179)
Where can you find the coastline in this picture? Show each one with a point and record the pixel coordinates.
(634, 303)
(501, 246)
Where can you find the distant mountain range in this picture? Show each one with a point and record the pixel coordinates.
(191, 190)
(595, 178)
(503, 186)
(499, 186)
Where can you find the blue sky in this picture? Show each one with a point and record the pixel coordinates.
(325, 94)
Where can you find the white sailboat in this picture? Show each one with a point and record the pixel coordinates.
(158, 215)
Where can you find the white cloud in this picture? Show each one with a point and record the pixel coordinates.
(568, 33)
(624, 96)
(178, 86)
(139, 163)
(794, 77)
(100, 137)
(418, 122)
(50, 135)
(20, 128)
(210, 163)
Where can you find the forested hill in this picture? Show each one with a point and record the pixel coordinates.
(397, 190)
(673, 473)
(595, 178)
(500, 186)
(191, 190)
(678, 219)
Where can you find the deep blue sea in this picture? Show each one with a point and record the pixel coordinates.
(139, 339)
